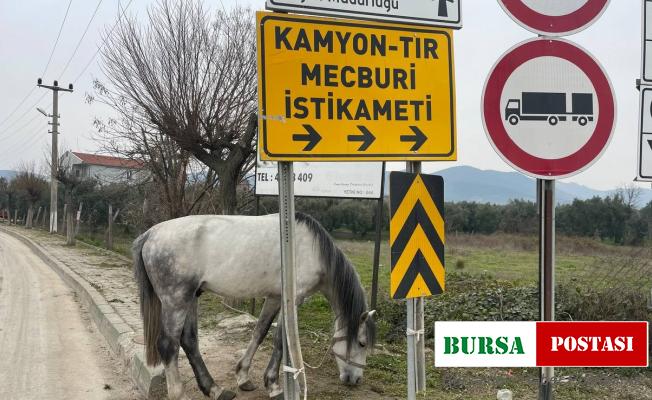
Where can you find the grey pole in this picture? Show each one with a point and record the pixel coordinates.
(54, 163)
(291, 345)
(411, 341)
(55, 151)
(379, 227)
(546, 204)
(415, 322)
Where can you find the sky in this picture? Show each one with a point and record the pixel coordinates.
(29, 30)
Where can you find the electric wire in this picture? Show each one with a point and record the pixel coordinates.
(81, 39)
(13, 132)
(124, 10)
(18, 106)
(23, 114)
(99, 48)
(44, 71)
(25, 142)
(56, 42)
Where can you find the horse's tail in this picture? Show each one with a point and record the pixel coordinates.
(150, 304)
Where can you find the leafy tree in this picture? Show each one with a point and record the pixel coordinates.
(519, 216)
(30, 188)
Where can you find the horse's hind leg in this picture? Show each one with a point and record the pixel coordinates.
(190, 344)
(173, 317)
(271, 373)
(267, 315)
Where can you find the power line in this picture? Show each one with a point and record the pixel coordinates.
(28, 140)
(44, 70)
(25, 113)
(81, 39)
(18, 106)
(124, 10)
(56, 42)
(28, 123)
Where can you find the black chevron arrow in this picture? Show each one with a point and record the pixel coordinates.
(312, 137)
(419, 138)
(650, 143)
(367, 138)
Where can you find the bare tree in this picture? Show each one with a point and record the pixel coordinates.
(190, 78)
(31, 186)
(179, 188)
(631, 194)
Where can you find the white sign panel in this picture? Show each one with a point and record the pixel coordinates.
(485, 344)
(644, 170)
(646, 70)
(323, 179)
(427, 12)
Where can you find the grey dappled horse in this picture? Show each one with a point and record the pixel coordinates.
(239, 257)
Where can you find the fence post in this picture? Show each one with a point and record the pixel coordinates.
(78, 218)
(45, 212)
(70, 230)
(16, 217)
(109, 232)
(65, 218)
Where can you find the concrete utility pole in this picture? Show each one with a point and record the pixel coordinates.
(55, 151)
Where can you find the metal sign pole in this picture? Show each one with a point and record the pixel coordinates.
(546, 203)
(379, 227)
(291, 345)
(415, 327)
(411, 352)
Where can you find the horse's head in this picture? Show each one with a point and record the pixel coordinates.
(351, 346)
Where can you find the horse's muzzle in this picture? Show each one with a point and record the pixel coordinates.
(350, 380)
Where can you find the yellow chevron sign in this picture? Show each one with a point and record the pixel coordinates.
(416, 235)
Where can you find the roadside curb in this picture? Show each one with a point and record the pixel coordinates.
(111, 325)
(105, 251)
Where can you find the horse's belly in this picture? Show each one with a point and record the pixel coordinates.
(244, 282)
(258, 278)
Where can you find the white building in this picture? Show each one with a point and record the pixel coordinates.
(103, 169)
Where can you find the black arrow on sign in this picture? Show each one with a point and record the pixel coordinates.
(312, 137)
(650, 143)
(419, 138)
(367, 138)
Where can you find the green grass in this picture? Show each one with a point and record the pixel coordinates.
(510, 259)
(514, 260)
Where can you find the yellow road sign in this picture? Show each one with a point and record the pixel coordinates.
(354, 91)
(416, 235)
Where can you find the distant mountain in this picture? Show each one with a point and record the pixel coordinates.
(466, 183)
(8, 175)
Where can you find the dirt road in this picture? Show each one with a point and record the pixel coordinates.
(49, 348)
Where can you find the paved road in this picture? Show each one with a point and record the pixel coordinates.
(48, 346)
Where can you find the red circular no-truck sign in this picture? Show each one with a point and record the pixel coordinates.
(554, 17)
(548, 108)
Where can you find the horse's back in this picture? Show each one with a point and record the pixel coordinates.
(234, 256)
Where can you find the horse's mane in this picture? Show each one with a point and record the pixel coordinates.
(347, 293)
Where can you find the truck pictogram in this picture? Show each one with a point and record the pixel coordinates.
(551, 107)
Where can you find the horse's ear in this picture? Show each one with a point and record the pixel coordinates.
(366, 315)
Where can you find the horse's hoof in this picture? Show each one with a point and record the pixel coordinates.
(248, 386)
(226, 395)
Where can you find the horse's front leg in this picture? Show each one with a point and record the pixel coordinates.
(271, 373)
(267, 315)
